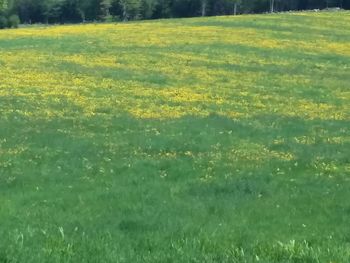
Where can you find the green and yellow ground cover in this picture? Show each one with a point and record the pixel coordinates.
(223, 139)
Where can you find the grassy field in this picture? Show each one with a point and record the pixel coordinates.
(223, 139)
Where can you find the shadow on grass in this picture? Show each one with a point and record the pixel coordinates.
(212, 181)
(261, 140)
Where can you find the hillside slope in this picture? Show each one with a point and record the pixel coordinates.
(222, 139)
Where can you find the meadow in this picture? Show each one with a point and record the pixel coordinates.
(222, 139)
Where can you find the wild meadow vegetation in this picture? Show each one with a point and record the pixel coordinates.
(223, 139)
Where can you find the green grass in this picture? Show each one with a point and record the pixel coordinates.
(223, 139)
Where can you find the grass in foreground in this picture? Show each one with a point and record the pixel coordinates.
(193, 140)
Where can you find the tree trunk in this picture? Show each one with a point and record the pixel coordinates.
(82, 15)
(125, 12)
(204, 7)
(235, 8)
(272, 6)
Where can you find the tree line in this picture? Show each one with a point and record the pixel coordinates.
(13, 12)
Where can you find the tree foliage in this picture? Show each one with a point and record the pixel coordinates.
(70, 11)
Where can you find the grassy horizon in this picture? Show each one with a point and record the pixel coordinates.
(221, 139)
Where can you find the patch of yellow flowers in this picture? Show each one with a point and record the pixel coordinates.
(173, 69)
